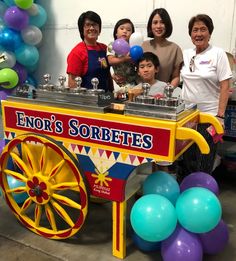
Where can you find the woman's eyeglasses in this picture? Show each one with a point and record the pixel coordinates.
(192, 64)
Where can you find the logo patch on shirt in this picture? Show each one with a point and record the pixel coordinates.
(205, 62)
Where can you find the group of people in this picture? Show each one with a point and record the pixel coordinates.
(204, 70)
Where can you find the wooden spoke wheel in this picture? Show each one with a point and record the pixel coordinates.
(56, 202)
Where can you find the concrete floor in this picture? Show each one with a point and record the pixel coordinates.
(93, 241)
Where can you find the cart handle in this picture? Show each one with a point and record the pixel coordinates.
(207, 118)
(183, 133)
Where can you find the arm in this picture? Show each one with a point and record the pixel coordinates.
(224, 96)
(176, 76)
(71, 81)
(113, 60)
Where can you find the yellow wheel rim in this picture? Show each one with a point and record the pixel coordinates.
(57, 202)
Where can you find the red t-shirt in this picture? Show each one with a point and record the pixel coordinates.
(77, 60)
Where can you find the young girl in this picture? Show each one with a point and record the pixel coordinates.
(123, 66)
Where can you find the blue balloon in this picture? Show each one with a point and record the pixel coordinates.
(10, 39)
(153, 218)
(27, 54)
(31, 81)
(162, 183)
(40, 19)
(198, 210)
(145, 246)
(14, 183)
(136, 52)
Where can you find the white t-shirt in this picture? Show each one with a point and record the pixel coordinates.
(202, 85)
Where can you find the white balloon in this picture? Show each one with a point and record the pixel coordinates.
(136, 38)
(33, 10)
(32, 35)
(7, 59)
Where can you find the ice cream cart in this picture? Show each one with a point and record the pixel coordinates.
(65, 146)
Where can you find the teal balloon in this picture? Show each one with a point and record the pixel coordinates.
(153, 217)
(14, 183)
(40, 18)
(3, 8)
(27, 55)
(198, 210)
(9, 2)
(163, 184)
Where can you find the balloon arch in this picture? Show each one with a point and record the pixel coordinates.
(20, 38)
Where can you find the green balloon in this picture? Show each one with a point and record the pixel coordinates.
(24, 4)
(8, 78)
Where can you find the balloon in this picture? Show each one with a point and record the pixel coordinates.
(27, 54)
(4, 93)
(144, 245)
(182, 246)
(21, 72)
(136, 38)
(2, 145)
(198, 210)
(215, 240)
(32, 68)
(31, 35)
(9, 2)
(16, 18)
(33, 10)
(31, 80)
(40, 18)
(10, 60)
(136, 52)
(3, 8)
(163, 184)
(8, 78)
(24, 4)
(120, 46)
(200, 179)
(10, 39)
(153, 218)
(14, 183)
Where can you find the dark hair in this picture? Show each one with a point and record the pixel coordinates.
(166, 20)
(202, 18)
(119, 23)
(149, 56)
(94, 17)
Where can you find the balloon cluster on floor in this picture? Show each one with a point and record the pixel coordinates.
(20, 38)
(122, 47)
(182, 221)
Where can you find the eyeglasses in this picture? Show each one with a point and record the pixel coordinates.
(88, 25)
(192, 64)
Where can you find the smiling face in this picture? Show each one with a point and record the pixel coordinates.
(91, 32)
(158, 27)
(200, 36)
(124, 31)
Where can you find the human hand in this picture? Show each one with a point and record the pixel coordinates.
(221, 120)
(118, 79)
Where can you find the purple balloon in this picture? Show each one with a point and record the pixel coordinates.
(4, 93)
(200, 179)
(120, 46)
(21, 71)
(16, 18)
(182, 246)
(214, 242)
(2, 145)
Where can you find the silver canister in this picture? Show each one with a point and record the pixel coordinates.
(145, 99)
